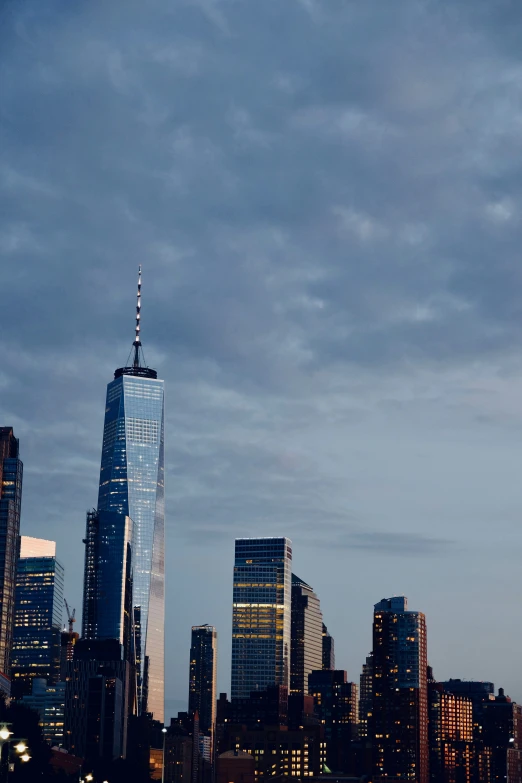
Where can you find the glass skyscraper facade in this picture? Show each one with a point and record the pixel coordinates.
(11, 474)
(261, 614)
(107, 583)
(306, 637)
(203, 678)
(132, 484)
(38, 615)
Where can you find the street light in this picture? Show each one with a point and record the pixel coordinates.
(164, 731)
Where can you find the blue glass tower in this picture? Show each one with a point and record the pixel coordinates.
(132, 484)
(38, 615)
(261, 631)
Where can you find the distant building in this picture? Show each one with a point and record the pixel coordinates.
(337, 709)
(502, 732)
(400, 744)
(365, 697)
(306, 635)
(328, 650)
(235, 766)
(11, 475)
(98, 700)
(452, 750)
(38, 616)
(203, 679)
(261, 614)
(49, 702)
(281, 752)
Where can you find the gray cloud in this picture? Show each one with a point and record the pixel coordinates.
(326, 198)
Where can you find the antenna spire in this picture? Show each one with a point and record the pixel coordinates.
(137, 341)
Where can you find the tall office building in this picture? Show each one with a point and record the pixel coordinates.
(38, 616)
(335, 702)
(203, 678)
(400, 695)
(11, 474)
(132, 484)
(306, 635)
(261, 614)
(107, 582)
(365, 697)
(49, 702)
(328, 649)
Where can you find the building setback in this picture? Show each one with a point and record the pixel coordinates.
(203, 678)
(328, 649)
(365, 697)
(261, 614)
(38, 615)
(400, 745)
(132, 484)
(11, 475)
(306, 635)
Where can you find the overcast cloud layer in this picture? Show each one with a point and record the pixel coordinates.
(326, 200)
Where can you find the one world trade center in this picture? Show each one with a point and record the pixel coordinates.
(132, 483)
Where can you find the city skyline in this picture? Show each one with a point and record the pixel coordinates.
(333, 298)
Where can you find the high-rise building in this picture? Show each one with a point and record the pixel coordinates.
(306, 635)
(49, 702)
(261, 614)
(400, 695)
(38, 615)
(365, 697)
(328, 650)
(108, 579)
(132, 484)
(452, 751)
(98, 700)
(11, 474)
(203, 679)
(502, 733)
(336, 706)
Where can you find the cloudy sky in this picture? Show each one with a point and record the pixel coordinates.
(326, 199)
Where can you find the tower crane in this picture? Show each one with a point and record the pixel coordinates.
(71, 616)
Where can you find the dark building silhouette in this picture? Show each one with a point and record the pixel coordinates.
(452, 748)
(262, 708)
(235, 766)
(328, 650)
(365, 697)
(502, 733)
(279, 752)
(336, 707)
(306, 635)
(11, 475)
(203, 678)
(99, 700)
(179, 750)
(67, 641)
(37, 617)
(400, 746)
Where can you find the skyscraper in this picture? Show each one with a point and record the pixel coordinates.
(261, 614)
(336, 706)
(400, 695)
(11, 474)
(365, 697)
(203, 678)
(38, 615)
(132, 484)
(306, 635)
(328, 649)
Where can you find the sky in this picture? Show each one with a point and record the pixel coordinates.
(325, 197)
